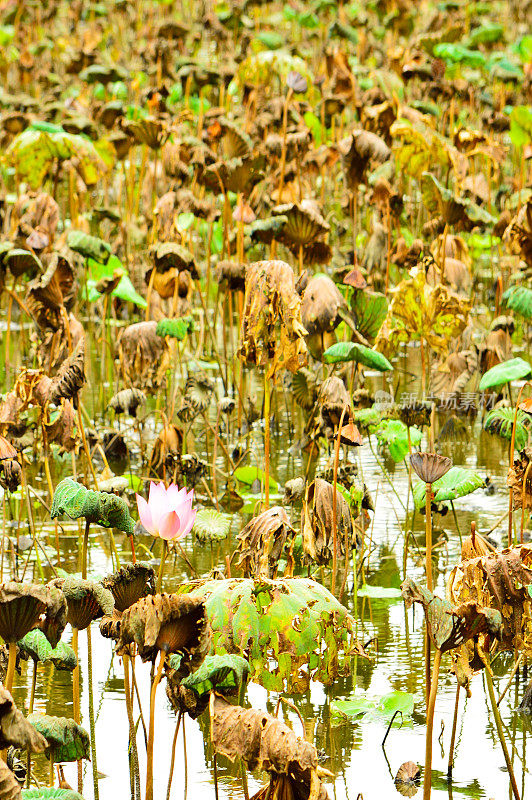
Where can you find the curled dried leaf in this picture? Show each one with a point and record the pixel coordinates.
(15, 730)
(144, 356)
(317, 522)
(262, 541)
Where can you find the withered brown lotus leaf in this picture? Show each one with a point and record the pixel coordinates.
(32, 212)
(144, 356)
(87, 600)
(122, 143)
(110, 625)
(129, 583)
(15, 730)
(456, 274)
(127, 401)
(262, 541)
(50, 292)
(496, 348)
(231, 274)
(333, 398)
(304, 223)
(449, 625)
(197, 395)
(272, 333)
(238, 174)
(21, 607)
(54, 622)
(416, 413)
(304, 388)
(520, 479)
(518, 234)
(430, 467)
(9, 786)
(358, 151)
(317, 522)
(150, 131)
(55, 345)
(173, 623)
(233, 140)
(350, 435)
(266, 743)
(168, 255)
(407, 779)
(475, 545)
(452, 375)
(70, 376)
(499, 580)
(320, 305)
(167, 450)
(10, 470)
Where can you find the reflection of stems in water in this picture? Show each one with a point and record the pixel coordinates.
(76, 698)
(427, 779)
(385, 473)
(511, 677)
(91, 716)
(453, 735)
(172, 759)
(500, 731)
(30, 711)
(132, 731)
(151, 731)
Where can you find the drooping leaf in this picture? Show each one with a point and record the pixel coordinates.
(514, 369)
(75, 500)
(223, 674)
(248, 475)
(89, 246)
(351, 351)
(211, 525)
(500, 421)
(67, 741)
(15, 730)
(291, 630)
(451, 626)
(457, 482)
(369, 309)
(175, 328)
(519, 298)
(394, 434)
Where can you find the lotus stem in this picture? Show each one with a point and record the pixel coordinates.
(76, 698)
(84, 550)
(172, 759)
(51, 773)
(428, 536)
(334, 509)
(427, 779)
(161, 567)
(151, 732)
(266, 439)
(453, 735)
(283, 149)
(30, 711)
(11, 666)
(500, 732)
(91, 716)
(132, 732)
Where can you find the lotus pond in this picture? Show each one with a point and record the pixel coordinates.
(265, 423)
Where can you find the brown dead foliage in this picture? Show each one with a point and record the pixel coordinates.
(144, 356)
(272, 332)
(499, 580)
(266, 743)
(15, 730)
(317, 522)
(520, 479)
(262, 541)
(170, 623)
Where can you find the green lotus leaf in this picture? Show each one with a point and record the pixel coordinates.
(223, 674)
(394, 435)
(89, 246)
(457, 482)
(500, 421)
(35, 152)
(97, 271)
(362, 706)
(519, 298)
(36, 645)
(74, 500)
(45, 793)
(515, 369)
(67, 741)
(351, 351)
(290, 630)
(176, 328)
(369, 309)
(211, 525)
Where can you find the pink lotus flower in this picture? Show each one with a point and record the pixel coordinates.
(168, 512)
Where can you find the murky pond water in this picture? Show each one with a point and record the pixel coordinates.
(352, 749)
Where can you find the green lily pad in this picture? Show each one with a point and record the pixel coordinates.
(457, 482)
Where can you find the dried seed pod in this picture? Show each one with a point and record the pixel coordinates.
(430, 467)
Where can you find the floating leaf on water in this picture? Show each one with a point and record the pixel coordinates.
(384, 706)
(67, 741)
